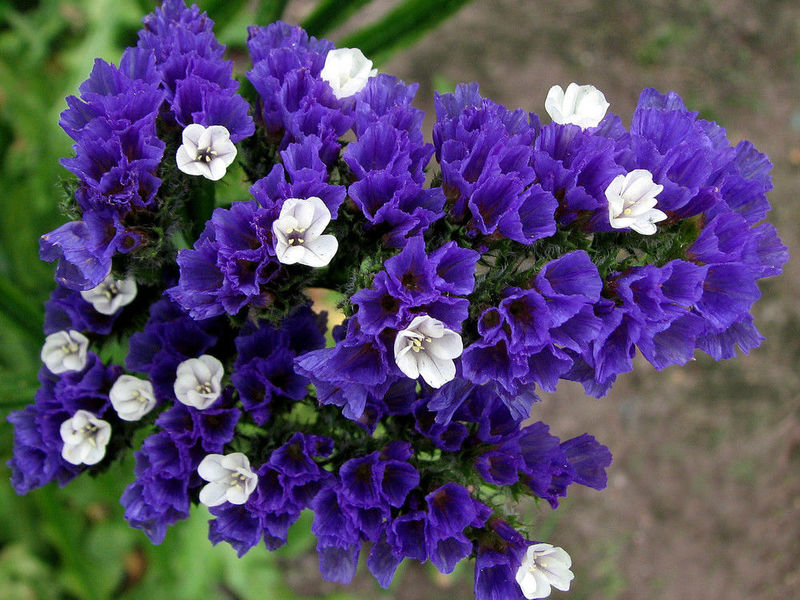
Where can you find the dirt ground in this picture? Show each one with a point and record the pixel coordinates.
(704, 493)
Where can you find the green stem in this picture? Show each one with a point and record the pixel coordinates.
(270, 11)
(330, 13)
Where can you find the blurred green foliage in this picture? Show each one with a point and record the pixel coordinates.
(74, 543)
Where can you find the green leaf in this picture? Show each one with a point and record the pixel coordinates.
(328, 14)
(18, 308)
(270, 11)
(400, 27)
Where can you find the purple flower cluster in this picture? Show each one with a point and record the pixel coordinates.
(487, 158)
(535, 253)
(117, 154)
(37, 456)
(294, 101)
(234, 259)
(287, 483)
(264, 372)
(198, 84)
(166, 464)
(360, 369)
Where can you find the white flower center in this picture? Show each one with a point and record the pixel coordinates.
(206, 151)
(543, 567)
(65, 351)
(111, 294)
(230, 479)
(85, 438)
(632, 200)
(198, 381)
(298, 233)
(426, 349)
(132, 397)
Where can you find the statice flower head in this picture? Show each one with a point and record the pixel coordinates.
(406, 419)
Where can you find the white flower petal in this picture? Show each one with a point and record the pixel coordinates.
(213, 494)
(191, 135)
(435, 371)
(210, 468)
(186, 161)
(290, 255)
(303, 211)
(407, 362)
(449, 346)
(94, 454)
(216, 170)
(320, 218)
(235, 461)
(347, 71)
(320, 252)
(581, 105)
(217, 135)
(236, 495)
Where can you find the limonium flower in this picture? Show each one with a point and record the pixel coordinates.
(298, 233)
(111, 294)
(632, 200)
(198, 381)
(132, 397)
(65, 351)
(581, 105)
(347, 70)
(407, 424)
(206, 151)
(426, 349)
(85, 438)
(230, 479)
(544, 567)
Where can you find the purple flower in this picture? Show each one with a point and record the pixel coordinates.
(170, 337)
(229, 263)
(198, 83)
(37, 458)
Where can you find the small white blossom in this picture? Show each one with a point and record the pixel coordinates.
(206, 151)
(544, 566)
(111, 295)
(198, 381)
(298, 233)
(231, 479)
(631, 202)
(132, 397)
(65, 351)
(581, 105)
(347, 71)
(426, 348)
(85, 438)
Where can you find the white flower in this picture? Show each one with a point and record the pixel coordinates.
(581, 105)
(631, 202)
(111, 295)
(65, 351)
(206, 151)
(198, 381)
(132, 397)
(426, 348)
(231, 479)
(347, 71)
(297, 233)
(85, 438)
(544, 566)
